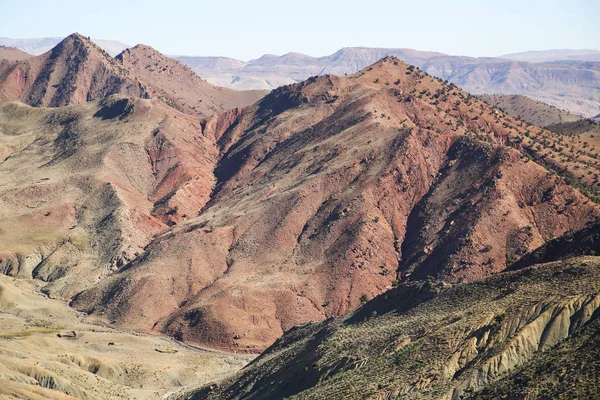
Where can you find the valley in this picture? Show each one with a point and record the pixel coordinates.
(354, 228)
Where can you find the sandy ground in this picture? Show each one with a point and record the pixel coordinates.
(98, 362)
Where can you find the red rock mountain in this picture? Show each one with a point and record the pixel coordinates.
(84, 188)
(77, 71)
(73, 72)
(326, 193)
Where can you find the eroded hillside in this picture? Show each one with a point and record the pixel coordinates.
(85, 188)
(328, 193)
(431, 340)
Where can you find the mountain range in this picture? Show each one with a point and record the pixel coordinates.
(376, 234)
(568, 79)
(569, 84)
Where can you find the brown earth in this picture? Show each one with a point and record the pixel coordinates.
(567, 146)
(329, 191)
(85, 188)
(12, 54)
(73, 72)
(568, 84)
(49, 351)
(148, 214)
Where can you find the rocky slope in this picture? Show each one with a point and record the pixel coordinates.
(568, 371)
(84, 188)
(178, 86)
(73, 72)
(431, 340)
(330, 191)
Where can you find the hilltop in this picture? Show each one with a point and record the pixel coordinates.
(12, 54)
(73, 72)
(37, 46)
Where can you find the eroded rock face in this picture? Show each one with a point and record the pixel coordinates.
(426, 340)
(538, 329)
(325, 193)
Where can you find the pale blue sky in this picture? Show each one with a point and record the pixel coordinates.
(248, 29)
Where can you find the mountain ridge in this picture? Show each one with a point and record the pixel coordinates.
(351, 182)
(76, 71)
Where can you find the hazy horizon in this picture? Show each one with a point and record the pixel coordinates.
(242, 31)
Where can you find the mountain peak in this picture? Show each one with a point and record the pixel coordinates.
(74, 71)
(78, 38)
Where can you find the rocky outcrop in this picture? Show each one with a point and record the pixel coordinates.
(538, 329)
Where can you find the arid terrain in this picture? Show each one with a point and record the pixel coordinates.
(529, 110)
(568, 79)
(49, 351)
(12, 54)
(378, 234)
(281, 221)
(76, 71)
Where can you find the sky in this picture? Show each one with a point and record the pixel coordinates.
(248, 29)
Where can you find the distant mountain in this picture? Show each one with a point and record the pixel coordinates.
(37, 46)
(529, 110)
(271, 71)
(568, 84)
(555, 55)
